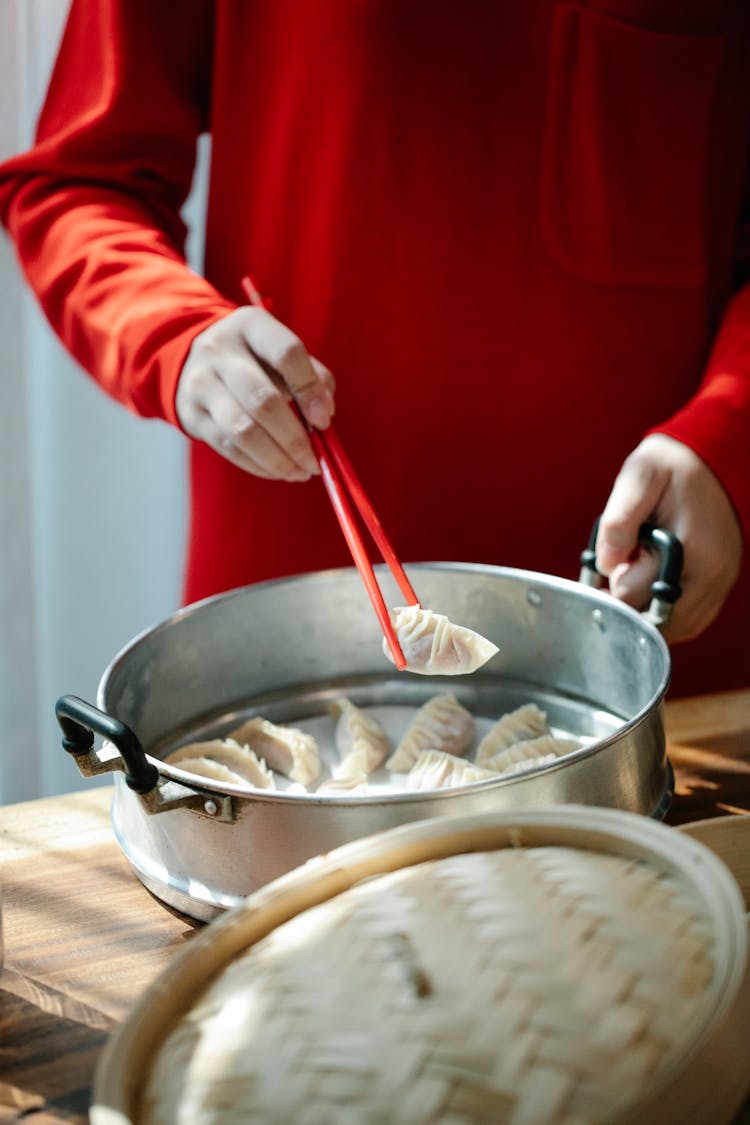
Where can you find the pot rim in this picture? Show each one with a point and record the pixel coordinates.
(592, 594)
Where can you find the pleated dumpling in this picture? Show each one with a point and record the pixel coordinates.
(221, 757)
(525, 722)
(432, 645)
(360, 738)
(351, 783)
(434, 769)
(285, 749)
(208, 768)
(530, 753)
(440, 724)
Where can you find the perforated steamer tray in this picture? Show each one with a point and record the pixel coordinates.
(567, 965)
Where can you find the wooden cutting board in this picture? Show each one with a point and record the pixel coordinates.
(708, 741)
(84, 938)
(729, 839)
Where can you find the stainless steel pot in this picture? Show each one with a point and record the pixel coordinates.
(283, 648)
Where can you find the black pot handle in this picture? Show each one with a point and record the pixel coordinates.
(666, 589)
(79, 721)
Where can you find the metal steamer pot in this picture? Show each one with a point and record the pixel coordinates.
(284, 648)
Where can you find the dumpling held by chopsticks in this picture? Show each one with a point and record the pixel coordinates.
(434, 646)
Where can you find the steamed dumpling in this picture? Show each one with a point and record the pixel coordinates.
(433, 645)
(434, 769)
(360, 739)
(208, 768)
(350, 783)
(530, 753)
(440, 724)
(221, 757)
(523, 723)
(286, 749)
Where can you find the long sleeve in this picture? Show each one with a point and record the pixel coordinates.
(94, 207)
(716, 421)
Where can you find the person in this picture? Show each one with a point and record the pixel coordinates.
(512, 231)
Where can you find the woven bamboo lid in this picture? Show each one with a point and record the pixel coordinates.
(567, 966)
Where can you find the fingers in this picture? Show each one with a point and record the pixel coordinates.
(252, 427)
(665, 482)
(711, 569)
(234, 391)
(631, 582)
(696, 608)
(254, 412)
(212, 435)
(211, 413)
(327, 379)
(635, 495)
(277, 346)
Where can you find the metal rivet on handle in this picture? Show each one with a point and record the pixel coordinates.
(533, 597)
(211, 807)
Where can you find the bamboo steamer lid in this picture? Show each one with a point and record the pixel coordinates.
(568, 965)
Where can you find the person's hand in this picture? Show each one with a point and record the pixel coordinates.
(234, 390)
(666, 483)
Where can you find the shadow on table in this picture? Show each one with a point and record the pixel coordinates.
(34, 1019)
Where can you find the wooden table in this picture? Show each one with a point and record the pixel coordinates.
(83, 937)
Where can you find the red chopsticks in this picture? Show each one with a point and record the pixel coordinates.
(339, 476)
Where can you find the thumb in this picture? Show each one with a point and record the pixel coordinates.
(637, 490)
(287, 361)
(631, 582)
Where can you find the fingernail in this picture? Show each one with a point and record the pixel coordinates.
(608, 557)
(318, 413)
(603, 562)
(623, 583)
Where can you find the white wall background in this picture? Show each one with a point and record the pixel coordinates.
(92, 500)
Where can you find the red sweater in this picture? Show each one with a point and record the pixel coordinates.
(509, 229)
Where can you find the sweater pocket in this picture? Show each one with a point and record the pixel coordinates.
(626, 151)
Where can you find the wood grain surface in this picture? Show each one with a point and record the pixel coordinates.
(83, 938)
(709, 747)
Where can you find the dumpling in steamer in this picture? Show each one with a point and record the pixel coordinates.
(440, 724)
(434, 769)
(208, 768)
(220, 757)
(530, 753)
(360, 739)
(350, 783)
(285, 749)
(433, 645)
(523, 723)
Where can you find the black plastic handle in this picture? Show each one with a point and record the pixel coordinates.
(79, 721)
(667, 587)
